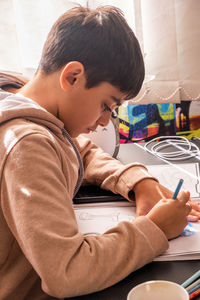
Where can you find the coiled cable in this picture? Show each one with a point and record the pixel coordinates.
(178, 148)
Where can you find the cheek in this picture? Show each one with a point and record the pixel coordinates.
(91, 114)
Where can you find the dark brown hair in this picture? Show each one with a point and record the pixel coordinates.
(102, 41)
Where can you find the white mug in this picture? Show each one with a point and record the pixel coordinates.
(158, 290)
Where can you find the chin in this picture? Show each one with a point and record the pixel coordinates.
(75, 134)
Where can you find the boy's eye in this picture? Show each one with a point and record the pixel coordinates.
(106, 108)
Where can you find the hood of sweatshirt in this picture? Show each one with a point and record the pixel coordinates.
(17, 106)
(14, 106)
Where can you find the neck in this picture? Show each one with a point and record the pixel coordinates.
(41, 89)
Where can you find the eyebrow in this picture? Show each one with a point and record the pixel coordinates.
(117, 101)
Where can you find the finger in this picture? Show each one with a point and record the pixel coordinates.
(195, 213)
(188, 208)
(184, 196)
(192, 218)
(195, 205)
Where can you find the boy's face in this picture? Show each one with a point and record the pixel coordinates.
(85, 109)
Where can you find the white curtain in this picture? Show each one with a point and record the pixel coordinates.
(25, 26)
(26, 23)
(168, 31)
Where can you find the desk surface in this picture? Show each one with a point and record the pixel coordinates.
(176, 271)
(135, 152)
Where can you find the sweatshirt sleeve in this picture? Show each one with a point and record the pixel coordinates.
(37, 206)
(109, 173)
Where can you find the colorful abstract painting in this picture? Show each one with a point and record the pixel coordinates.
(144, 122)
(188, 119)
(141, 122)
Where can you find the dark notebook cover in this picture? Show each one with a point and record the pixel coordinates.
(94, 194)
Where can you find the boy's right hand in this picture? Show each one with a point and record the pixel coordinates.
(171, 215)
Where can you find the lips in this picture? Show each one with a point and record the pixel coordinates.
(88, 130)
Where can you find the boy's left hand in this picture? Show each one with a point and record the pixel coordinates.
(194, 215)
(148, 192)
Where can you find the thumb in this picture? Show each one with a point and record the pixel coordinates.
(184, 196)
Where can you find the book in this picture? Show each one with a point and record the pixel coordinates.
(96, 217)
(94, 194)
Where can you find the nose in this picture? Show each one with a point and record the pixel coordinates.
(104, 119)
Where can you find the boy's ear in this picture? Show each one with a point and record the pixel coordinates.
(70, 73)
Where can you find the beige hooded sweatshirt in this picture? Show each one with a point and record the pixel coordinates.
(42, 253)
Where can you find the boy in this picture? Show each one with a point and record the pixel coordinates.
(91, 63)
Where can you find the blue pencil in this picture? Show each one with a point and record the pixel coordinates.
(177, 189)
(191, 279)
(194, 289)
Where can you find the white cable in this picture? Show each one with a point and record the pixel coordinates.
(184, 149)
(176, 166)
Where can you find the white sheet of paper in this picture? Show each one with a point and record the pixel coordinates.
(169, 176)
(95, 219)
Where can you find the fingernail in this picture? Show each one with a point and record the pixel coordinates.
(192, 219)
